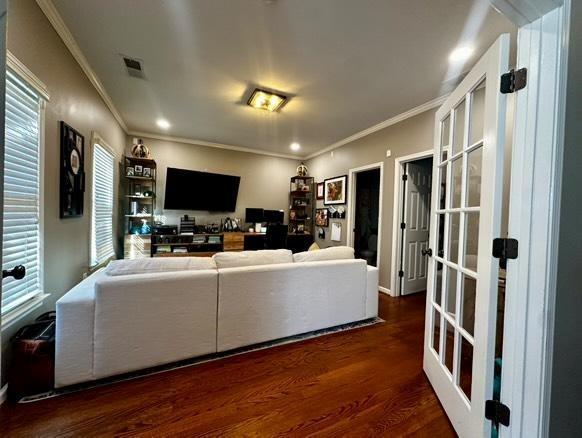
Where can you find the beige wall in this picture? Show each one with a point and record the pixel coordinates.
(73, 99)
(405, 138)
(264, 179)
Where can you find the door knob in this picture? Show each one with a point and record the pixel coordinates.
(427, 252)
(18, 272)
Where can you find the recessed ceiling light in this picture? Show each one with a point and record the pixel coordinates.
(266, 100)
(461, 54)
(295, 146)
(162, 123)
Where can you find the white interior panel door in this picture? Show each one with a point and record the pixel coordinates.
(416, 229)
(462, 285)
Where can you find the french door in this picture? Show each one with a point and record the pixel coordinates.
(465, 218)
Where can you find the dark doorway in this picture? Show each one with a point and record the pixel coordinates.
(367, 210)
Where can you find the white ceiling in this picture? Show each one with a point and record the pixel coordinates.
(349, 64)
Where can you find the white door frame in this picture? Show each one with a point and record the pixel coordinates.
(352, 205)
(397, 211)
(536, 175)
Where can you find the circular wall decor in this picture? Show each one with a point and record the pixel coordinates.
(75, 161)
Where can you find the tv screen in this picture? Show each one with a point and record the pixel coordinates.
(193, 190)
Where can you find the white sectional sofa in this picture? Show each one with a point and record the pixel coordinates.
(137, 314)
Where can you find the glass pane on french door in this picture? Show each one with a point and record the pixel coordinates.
(457, 216)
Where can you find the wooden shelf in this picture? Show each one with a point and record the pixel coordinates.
(141, 178)
(139, 216)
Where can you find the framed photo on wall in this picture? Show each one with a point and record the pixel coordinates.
(335, 190)
(320, 191)
(322, 217)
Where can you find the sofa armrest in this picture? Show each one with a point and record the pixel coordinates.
(74, 334)
(372, 292)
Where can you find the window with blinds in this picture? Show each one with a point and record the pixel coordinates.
(22, 176)
(102, 216)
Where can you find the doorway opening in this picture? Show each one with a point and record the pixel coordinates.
(365, 213)
(412, 201)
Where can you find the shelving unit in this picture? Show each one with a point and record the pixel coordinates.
(139, 207)
(301, 204)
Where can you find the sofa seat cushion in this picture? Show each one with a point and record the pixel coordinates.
(252, 258)
(159, 264)
(333, 253)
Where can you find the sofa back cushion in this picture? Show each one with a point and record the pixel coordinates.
(252, 258)
(333, 253)
(159, 264)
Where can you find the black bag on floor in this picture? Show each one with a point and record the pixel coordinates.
(32, 368)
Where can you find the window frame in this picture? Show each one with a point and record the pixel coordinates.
(26, 76)
(96, 139)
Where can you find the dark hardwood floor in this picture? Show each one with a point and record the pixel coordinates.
(364, 382)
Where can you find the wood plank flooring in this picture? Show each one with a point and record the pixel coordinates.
(364, 382)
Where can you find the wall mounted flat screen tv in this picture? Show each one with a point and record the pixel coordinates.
(193, 190)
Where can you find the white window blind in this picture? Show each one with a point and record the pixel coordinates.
(102, 217)
(22, 174)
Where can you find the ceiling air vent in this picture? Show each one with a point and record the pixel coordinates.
(134, 67)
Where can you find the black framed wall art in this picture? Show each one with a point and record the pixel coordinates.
(72, 185)
(335, 190)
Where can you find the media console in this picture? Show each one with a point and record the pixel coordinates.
(208, 244)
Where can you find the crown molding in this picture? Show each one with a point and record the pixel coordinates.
(391, 121)
(53, 16)
(212, 145)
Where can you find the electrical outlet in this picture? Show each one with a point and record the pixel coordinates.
(388, 153)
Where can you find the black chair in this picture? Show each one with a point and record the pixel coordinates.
(276, 237)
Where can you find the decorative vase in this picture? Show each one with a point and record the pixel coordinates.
(140, 150)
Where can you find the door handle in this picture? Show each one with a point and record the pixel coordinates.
(427, 252)
(18, 272)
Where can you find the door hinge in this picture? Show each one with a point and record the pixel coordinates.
(497, 412)
(513, 80)
(404, 177)
(401, 274)
(402, 225)
(504, 249)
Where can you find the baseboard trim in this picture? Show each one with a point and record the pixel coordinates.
(3, 393)
(384, 290)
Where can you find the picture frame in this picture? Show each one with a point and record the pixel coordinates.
(335, 190)
(137, 189)
(138, 169)
(72, 172)
(129, 171)
(292, 215)
(322, 217)
(147, 172)
(320, 191)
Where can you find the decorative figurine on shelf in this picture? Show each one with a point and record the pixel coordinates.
(145, 228)
(302, 170)
(140, 150)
